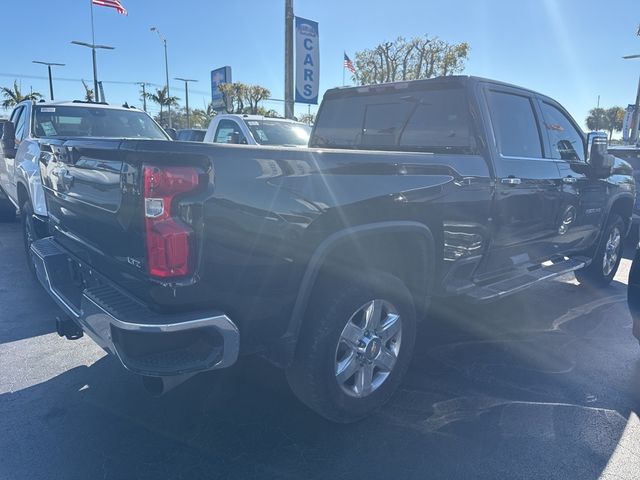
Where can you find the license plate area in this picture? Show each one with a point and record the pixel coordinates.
(69, 279)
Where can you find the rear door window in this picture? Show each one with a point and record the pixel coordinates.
(432, 118)
(514, 124)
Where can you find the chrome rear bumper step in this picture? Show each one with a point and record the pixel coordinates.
(146, 342)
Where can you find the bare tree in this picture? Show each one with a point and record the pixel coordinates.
(402, 59)
(255, 94)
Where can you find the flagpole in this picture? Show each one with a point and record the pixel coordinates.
(96, 92)
(344, 54)
(93, 36)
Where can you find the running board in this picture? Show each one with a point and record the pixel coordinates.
(494, 291)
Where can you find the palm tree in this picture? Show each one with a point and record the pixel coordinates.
(162, 98)
(88, 92)
(13, 96)
(615, 119)
(597, 119)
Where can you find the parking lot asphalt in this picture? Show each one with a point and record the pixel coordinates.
(544, 384)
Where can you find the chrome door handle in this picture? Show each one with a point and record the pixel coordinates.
(511, 181)
(569, 180)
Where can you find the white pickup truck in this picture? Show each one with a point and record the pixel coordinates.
(29, 123)
(257, 130)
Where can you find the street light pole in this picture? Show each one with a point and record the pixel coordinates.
(144, 95)
(93, 48)
(636, 112)
(186, 95)
(166, 67)
(49, 65)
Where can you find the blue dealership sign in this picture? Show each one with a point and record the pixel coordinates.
(218, 77)
(307, 61)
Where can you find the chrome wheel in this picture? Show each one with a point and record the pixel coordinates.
(611, 251)
(368, 348)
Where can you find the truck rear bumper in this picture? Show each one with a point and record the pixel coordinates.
(146, 342)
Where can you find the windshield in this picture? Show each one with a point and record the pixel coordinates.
(86, 121)
(269, 132)
(434, 118)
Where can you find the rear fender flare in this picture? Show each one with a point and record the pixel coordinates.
(323, 251)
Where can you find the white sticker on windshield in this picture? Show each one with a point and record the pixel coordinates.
(48, 128)
(48, 109)
(262, 136)
(253, 122)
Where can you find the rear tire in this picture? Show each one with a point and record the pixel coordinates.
(29, 234)
(355, 346)
(7, 210)
(607, 257)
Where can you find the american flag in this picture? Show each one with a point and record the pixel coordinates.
(348, 64)
(111, 4)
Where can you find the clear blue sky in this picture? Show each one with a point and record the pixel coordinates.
(568, 49)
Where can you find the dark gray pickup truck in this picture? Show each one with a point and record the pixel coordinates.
(178, 257)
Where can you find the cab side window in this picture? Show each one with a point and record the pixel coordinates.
(225, 131)
(515, 125)
(566, 141)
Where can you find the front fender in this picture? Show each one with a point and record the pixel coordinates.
(28, 176)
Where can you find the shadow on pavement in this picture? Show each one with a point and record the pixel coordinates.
(540, 385)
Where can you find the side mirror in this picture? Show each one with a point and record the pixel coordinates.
(172, 132)
(9, 140)
(600, 162)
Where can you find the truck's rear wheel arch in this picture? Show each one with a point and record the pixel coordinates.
(367, 247)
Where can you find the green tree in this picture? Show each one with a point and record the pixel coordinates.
(267, 113)
(255, 94)
(308, 118)
(13, 96)
(88, 92)
(597, 119)
(210, 111)
(615, 117)
(242, 98)
(234, 96)
(162, 98)
(609, 119)
(402, 59)
(199, 118)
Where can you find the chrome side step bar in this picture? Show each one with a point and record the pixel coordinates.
(493, 291)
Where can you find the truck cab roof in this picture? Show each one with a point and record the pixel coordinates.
(76, 103)
(255, 118)
(466, 80)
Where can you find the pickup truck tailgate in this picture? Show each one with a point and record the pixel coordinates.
(95, 196)
(91, 201)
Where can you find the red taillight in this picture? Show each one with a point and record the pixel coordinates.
(168, 239)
